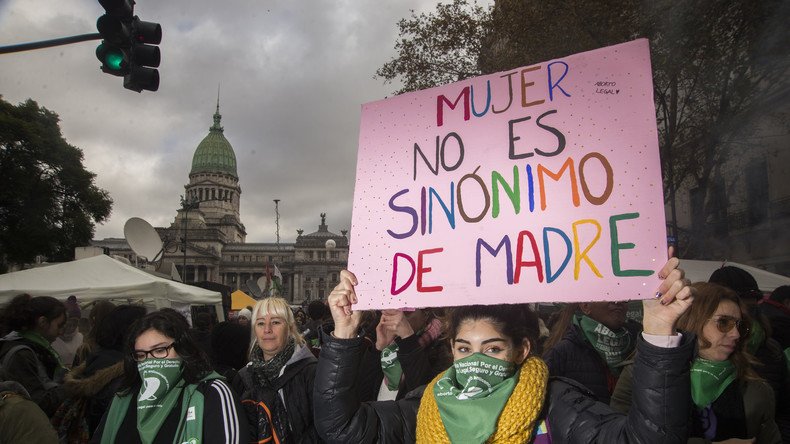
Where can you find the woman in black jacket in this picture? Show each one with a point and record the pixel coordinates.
(276, 387)
(590, 344)
(26, 354)
(495, 391)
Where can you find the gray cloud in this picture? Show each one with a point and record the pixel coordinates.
(293, 75)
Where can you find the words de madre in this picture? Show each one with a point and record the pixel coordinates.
(537, 184)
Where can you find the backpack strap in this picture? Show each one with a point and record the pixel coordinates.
(7, 357)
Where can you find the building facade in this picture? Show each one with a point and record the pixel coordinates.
(206, 242)
(743, 213)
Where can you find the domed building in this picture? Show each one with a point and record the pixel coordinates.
(208, 240)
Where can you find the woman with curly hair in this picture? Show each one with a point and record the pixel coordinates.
(169, 392)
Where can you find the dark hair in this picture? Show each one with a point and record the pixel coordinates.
(780, 294)
(517, 321)
(23, 311)
(317, 310)
(560, 325)
(112, 328)
(173, 325)
(98, 312)
(202, 321)
(738, 280)
(707, 298)
(230, 343)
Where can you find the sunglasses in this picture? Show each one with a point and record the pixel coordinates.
(726, 323)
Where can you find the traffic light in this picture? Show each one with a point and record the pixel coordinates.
(127, 49)
(115, 32)
(144, 56)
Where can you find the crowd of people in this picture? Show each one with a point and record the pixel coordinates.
(705, 363)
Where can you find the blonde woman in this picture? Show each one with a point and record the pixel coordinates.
(276, 386)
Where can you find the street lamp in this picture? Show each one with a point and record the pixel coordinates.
(190, 203)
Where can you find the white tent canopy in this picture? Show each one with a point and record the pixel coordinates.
(103, 278)
(700, 271)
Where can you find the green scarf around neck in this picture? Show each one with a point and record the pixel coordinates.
(390, 362)
(190, 426)
(36, 338)
(472, 394)
(709, 379)
(614, 347)
(390, 366)
(161, 389)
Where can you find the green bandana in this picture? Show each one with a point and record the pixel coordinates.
(709, 379)
(190, 426)
(614, 347)
(390, 366)
(36, 338)
(162, 386)
(756, 337)
(472, 394)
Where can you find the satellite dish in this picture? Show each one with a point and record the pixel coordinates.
(143, 239)
(254, 288)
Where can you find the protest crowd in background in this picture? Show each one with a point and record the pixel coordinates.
(329, 373)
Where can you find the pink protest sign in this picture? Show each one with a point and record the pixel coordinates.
(542, 183)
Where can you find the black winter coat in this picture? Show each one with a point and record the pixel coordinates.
(661, 395)
(294, 386)
(35, 368)
(573, 357)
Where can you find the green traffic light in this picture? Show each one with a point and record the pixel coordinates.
(112, 58)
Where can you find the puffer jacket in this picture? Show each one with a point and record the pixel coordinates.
(661, 397)
(573, 357)
(294, 387)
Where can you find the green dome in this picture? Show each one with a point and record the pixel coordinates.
(214, 153)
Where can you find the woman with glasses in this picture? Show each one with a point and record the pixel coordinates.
(731, 403)
(169, 392)
(276, 386)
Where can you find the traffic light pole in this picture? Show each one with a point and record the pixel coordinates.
(49, 43)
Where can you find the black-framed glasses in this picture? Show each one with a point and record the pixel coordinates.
(157, 353)
(726, 323)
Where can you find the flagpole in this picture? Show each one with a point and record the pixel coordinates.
(277, 221)
(277, 224)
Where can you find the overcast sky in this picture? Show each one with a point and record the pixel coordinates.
(293, 75)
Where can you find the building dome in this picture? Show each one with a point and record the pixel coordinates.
(214, 154)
